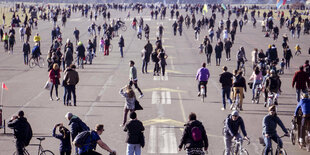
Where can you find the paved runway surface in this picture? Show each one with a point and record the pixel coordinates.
(167, 100)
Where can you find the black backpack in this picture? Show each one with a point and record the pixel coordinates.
(154, 57)
(80, 140)
(28, 134)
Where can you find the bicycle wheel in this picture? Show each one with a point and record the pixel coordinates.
(307, 139)
(280, 152)
(257, 97)
(47, 152)
(244, 152)
(203, 98)
(41, 62)
(32, 63)
(124, 28)
(292, 137)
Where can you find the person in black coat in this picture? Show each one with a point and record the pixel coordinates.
(26, 50)
(135, 137)
(121, 44)
(64, 137)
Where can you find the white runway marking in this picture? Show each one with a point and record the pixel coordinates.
(161, 98)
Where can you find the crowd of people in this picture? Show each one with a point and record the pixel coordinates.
(266, 71)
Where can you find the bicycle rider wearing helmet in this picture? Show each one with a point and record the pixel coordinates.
(270, 122)
(241, 57)
(202, 76)
(304, 106)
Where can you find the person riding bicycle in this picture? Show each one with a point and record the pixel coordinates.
(241, 57)
(231, 130)
(36, 52)
(22, 131)
(257, 78)
(272, 54)
(304, 105)
(273, 85)
(194, 137)
(270, 122)
(239, 84)
(202, 76)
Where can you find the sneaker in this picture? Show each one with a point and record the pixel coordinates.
(253, 101)
(223, 109)
(141, 96)
(51, 99)
(57, 99)
(265, 104)
(198, 94)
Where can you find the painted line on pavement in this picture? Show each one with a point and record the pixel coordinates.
(181, 106)
(152, 140)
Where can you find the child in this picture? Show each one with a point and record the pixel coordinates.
(297, 47)
(201, 48)
(282, 64)
(101, 45)
(64, 137)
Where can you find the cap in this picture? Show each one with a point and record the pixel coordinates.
(68, 115)
(235, 113)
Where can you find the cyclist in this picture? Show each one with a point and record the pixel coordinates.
(239, 84)
(231, 130)
(241, 57)
(304, 105)
(273, 85)
(202, 76)
(257, 78)
(194, 144)
(36, 52)
(270, 122)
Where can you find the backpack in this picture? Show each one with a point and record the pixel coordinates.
(28, 134)
(196, 134)
(154, 57)
(80, 140)
(273, 83)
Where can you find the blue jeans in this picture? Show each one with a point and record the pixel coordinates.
(268, 144)
(255, 84)
(121, 50)
(80, 61)
(65, 95)
(298, 91)
(71, 90)
(26, 59)
(133, 149)
(228, 142)
(226, 91)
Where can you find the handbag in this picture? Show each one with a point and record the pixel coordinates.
(48, 85)
(137, 105)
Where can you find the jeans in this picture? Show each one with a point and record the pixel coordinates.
(268, 144)
(218, 61)
(255, 84)
(26, 59)
(144, 66)
(133, 149)
(56, 89)
(71, 90)
(209, 58)
(287, 63)
(227, 53)
(80, 61)
(91, 152)
(156, 68)
(227, 141)
(19, 147)
(65, 95)
(226, 91)
(121, 50)
(298, 91)
(239, 63)
(163, 69)
(135, 82)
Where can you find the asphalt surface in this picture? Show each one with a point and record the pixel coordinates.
(167, 100)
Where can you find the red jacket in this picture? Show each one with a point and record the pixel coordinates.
(301, 79)
(54, 76)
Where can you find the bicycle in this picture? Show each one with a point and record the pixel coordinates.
(203, 94)
(292, 132)
(272, 99)
(258, 90)
(279, 151)
(237, 147)
(36, 62)
(242, 68)
(41, 151)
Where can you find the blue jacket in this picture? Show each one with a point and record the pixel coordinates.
(232, 127)
(304, 104)
(270, 124)
(65, 144)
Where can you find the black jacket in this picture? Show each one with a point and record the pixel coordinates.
(134, 129)
(226, 79)
(21, 128)
(26, 48)
(187, 138)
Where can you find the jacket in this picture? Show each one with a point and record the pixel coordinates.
(226, 79)
(133, 73)
(270, 124)
(239, 81)
(301, 79)
(121, 42)
(54, 76)
(187, 138)
(26, 48)
(77, 126)
(268, 84)
(20, 127)
(80, 51)
(203, 74)
(65, 144)
(304, 105)
(134, 129)
(71, 77)
(130, 102)
(232, 127)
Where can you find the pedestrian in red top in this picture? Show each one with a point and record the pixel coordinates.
(301, 79)
(54, 76)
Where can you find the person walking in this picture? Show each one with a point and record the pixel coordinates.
(80, 54)
(130, 97)
(232, 124)
(155, 59)
(218, 52)
(226, 81)
(162, 56)
(146, 54)
(64, 137)
(133, 79)
(71, 79)
(11, 42)
(106, 46)
(76, 34)
(54, 76)
(302, 82)
(208, 51)
(288, 56)
(135, 137)
(26, 50)
(228, 46)
(121, 44)
(194, 144)
(22, 131)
